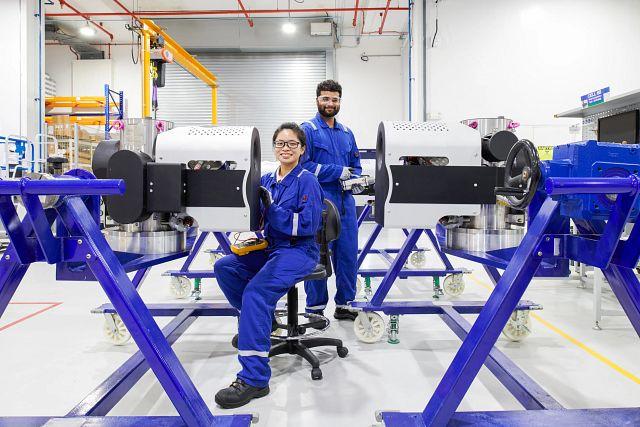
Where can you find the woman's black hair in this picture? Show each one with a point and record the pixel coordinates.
(293, 127)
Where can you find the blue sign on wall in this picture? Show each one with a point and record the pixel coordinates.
(594, 98)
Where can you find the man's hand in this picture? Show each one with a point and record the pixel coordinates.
(265, 197)
(346, 173)
(357, 189)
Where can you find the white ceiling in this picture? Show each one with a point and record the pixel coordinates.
(396, 20)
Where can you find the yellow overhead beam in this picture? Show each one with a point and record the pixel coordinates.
(181, 57)
(146, 74)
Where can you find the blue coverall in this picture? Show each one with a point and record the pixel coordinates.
(253, 283)
(328, 151)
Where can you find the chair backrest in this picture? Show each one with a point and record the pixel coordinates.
(329, 232)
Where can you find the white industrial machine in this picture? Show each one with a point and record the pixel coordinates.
(422, 172)
(226, 155)
(430, 173)
(186, 177)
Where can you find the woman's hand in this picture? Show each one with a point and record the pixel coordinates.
(265, 197)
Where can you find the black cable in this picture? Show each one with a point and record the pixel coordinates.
(134, 58)
(433, 39)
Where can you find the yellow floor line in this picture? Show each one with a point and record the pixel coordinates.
(572, 340)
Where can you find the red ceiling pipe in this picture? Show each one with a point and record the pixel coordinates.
(355, 13)
(384, 17)
(123, 7)
(64, 3)
(245, 13)
(151, 13)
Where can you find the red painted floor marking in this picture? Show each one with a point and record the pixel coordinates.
(50, 305)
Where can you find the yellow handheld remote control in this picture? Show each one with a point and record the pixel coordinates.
(248, 246)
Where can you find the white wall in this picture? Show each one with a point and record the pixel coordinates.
(372, 90)
(529, 60)
(126, 76)
(20, 79)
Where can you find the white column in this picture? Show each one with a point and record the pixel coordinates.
(21, 82)
(414, 77)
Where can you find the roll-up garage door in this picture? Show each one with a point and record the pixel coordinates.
(256, 89)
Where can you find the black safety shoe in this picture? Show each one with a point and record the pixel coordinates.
(342, 313)
(239, 394)
(274, 327)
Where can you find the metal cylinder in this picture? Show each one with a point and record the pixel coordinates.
(492, 217)
(477, 240)
(157, 222)
(588, 185)
(63, 186)
(146, 242)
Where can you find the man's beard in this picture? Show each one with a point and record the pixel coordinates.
(322, 109)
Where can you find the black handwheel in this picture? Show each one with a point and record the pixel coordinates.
(343, 351)
(521, 174)
(316, 374)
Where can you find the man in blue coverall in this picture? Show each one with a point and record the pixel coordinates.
(332, 156)
(292, 203)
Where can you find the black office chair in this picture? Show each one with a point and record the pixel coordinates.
(295, 342)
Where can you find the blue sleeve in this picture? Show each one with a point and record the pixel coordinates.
(325, 172)
(354, 156)
(305, 218)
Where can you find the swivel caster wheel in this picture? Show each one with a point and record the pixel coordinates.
(453, 285)
(114, 330)
(180, 287)
(369, 327)
(342, 352)
(316, 374)
(518, 326)
(418, 259)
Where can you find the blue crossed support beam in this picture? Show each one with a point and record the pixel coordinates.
(598, 244)
(33, 241)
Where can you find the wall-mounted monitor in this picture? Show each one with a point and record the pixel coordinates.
(621, 128)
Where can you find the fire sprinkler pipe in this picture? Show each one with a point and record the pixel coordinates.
(164, 13)
(355, 13)
(64, 3)
(245, 13)
(384, 17)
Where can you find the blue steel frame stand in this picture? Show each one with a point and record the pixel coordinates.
(403, 273)
(119, 115)
(33, 241)
(449, 311)
(599, 245)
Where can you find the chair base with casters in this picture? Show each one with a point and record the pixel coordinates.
(296, 342)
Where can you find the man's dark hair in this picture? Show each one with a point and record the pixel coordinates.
(295, 128)
(329, 86)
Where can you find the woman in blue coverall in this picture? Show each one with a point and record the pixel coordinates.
(292, 203)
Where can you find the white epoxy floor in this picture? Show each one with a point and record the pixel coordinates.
(52, 360)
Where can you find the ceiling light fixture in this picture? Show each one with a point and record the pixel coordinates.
(87, 30)
(288, 28)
